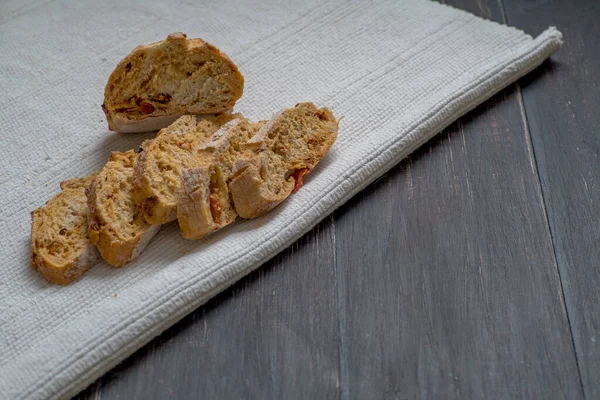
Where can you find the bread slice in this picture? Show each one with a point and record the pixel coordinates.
(117, 226)
(204, 203)
(60, 246)
(157, 176)
(289, 146)
(157, 83)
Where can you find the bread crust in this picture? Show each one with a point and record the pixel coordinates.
(45, 228)
(122, 123)
(117, 228)
(158, 82)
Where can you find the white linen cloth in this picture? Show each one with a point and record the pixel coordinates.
(399, 71)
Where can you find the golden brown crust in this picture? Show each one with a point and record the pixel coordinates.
(157, 175)
(60, 247)
(287, 147)
(117, 227)
(156, 83)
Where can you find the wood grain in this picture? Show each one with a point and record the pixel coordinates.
(447, 276)
(562, 102)
(273, 335)
(448, 281)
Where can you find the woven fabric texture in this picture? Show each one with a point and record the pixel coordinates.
(399, 71)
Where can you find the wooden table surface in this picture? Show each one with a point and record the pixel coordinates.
(470, 270)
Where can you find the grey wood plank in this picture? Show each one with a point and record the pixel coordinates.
(447, 277)
(562, 103)
(272, 335)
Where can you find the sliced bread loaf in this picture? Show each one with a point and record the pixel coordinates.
(117, 227)
(157, 83)
(204, 204)
(285, 149)
(157, 177)
(60, 246)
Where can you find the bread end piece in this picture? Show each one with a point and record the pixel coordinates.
(61, 250)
